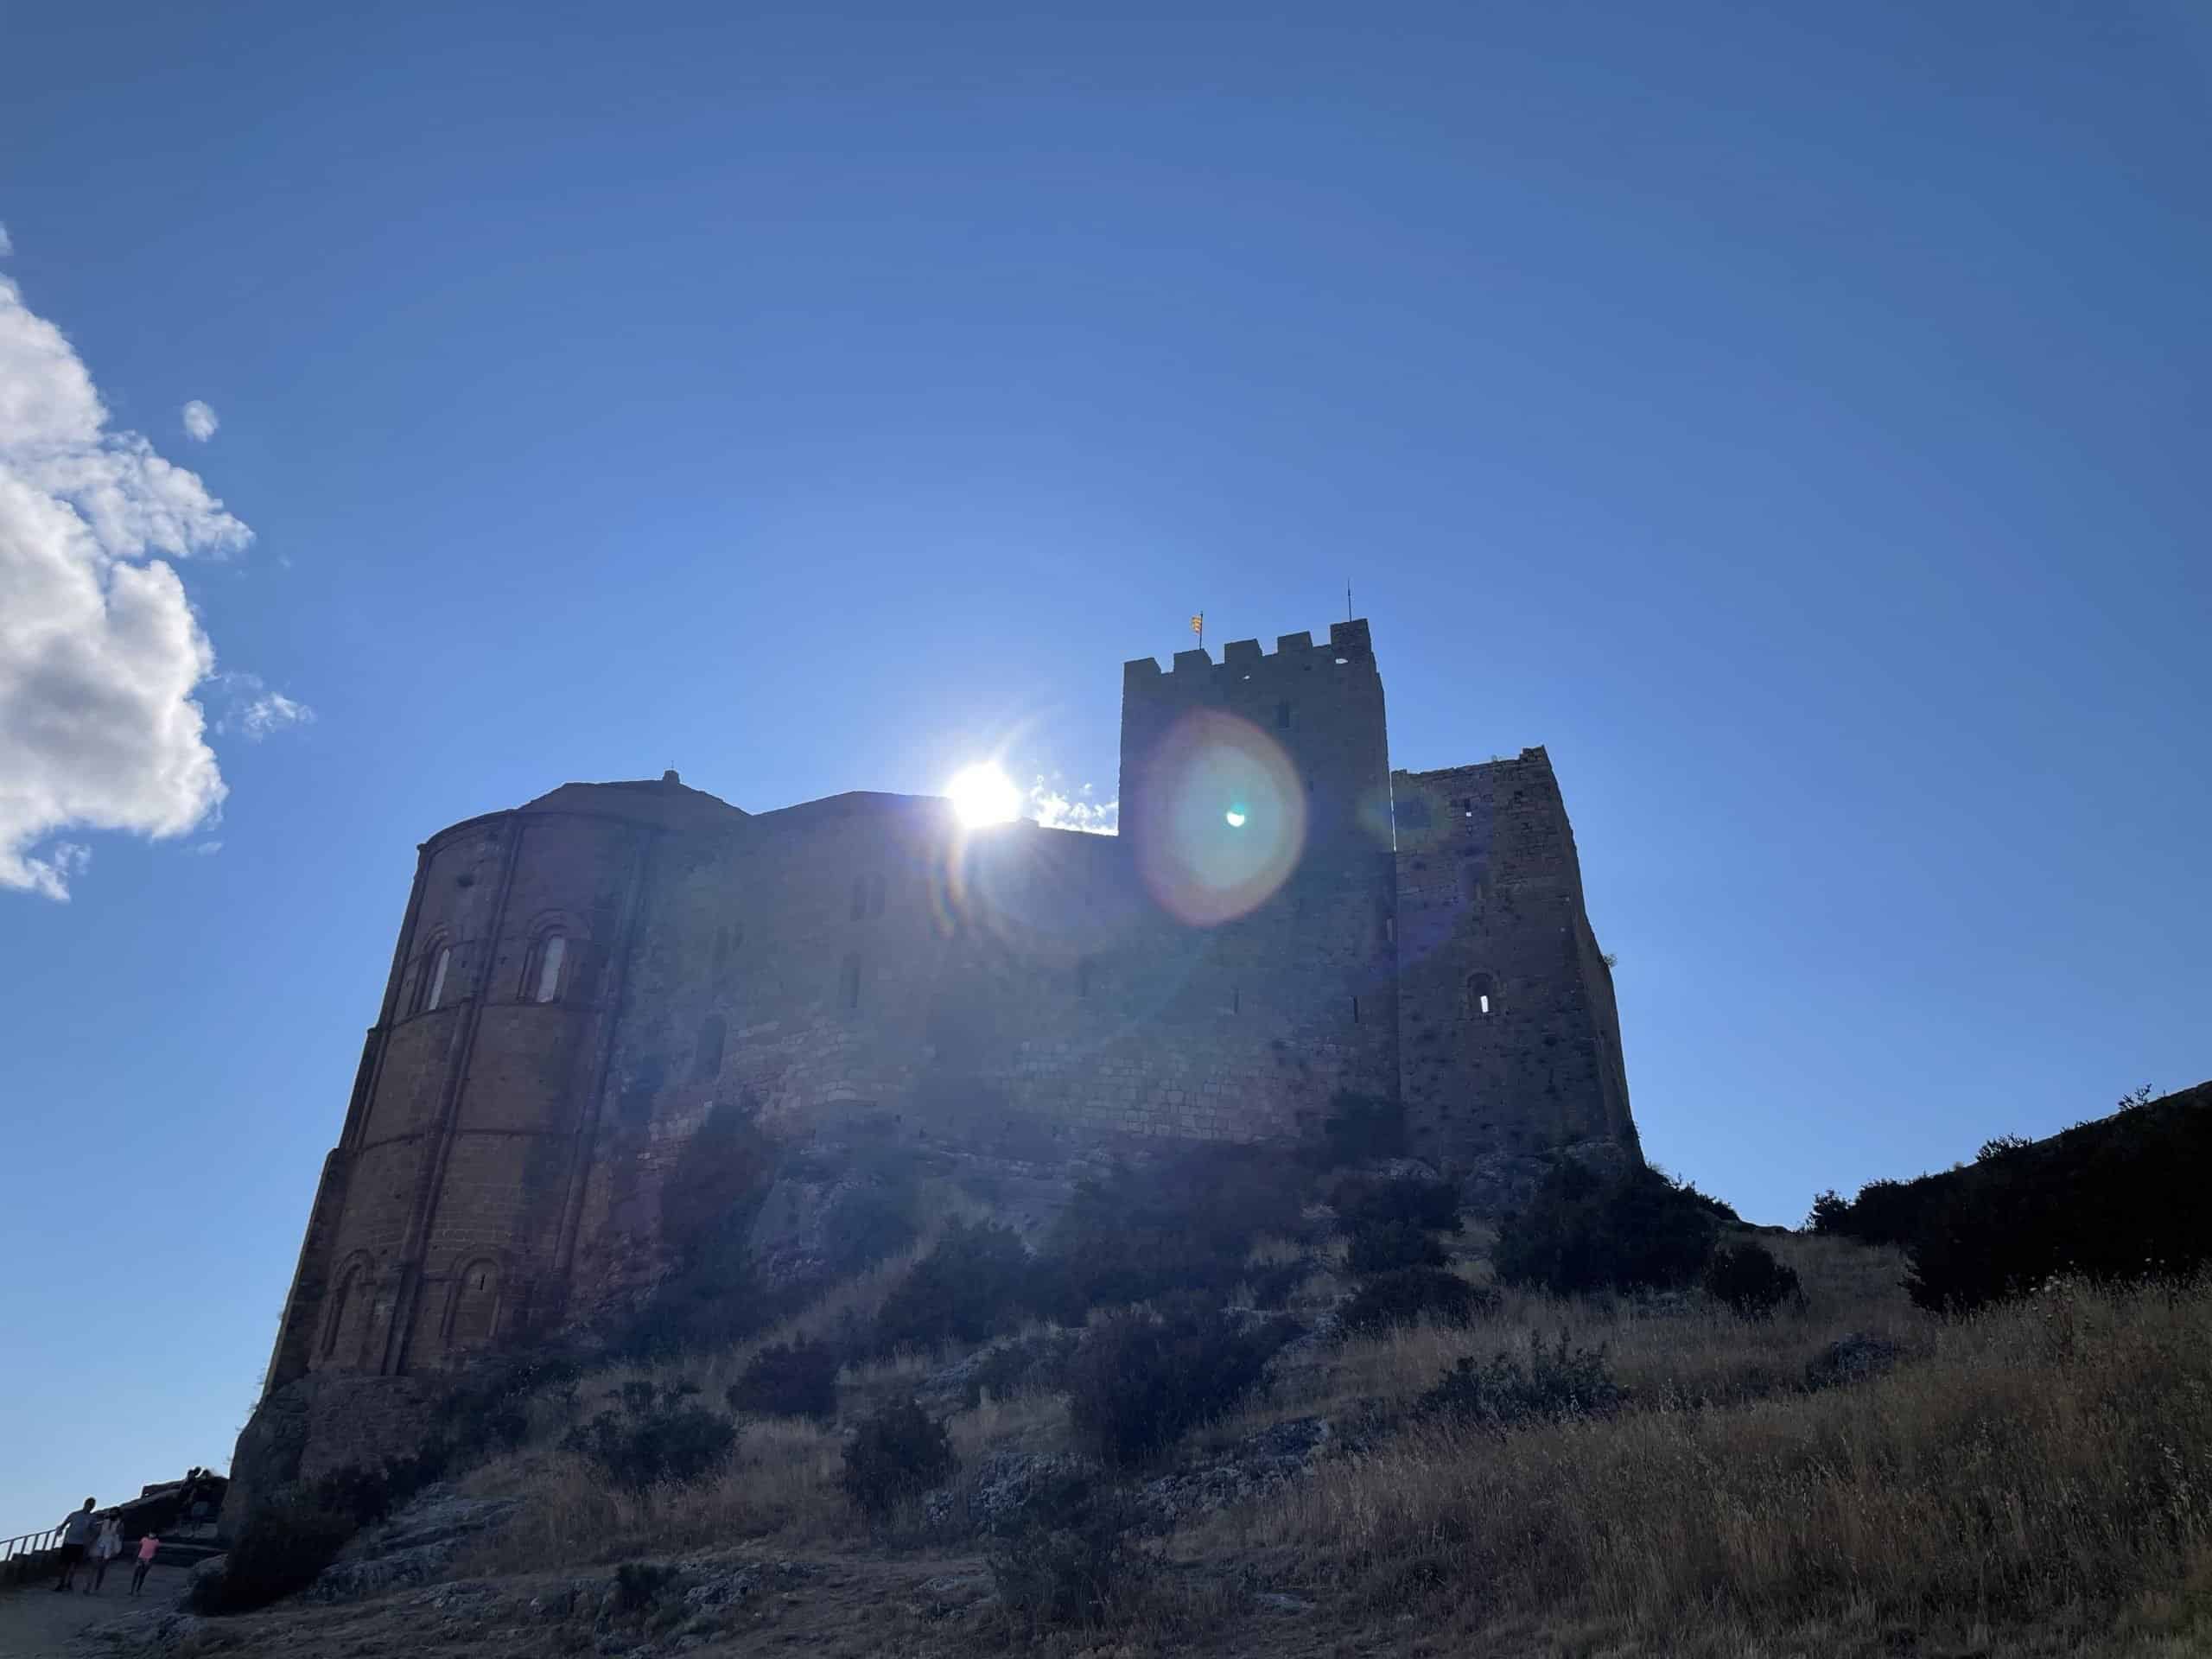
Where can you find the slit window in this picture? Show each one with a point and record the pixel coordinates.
(1482, 996)
(433, 990)
(859, 897)
(552, 959)
(848, 988)
(1082, 977)
(1282, 712)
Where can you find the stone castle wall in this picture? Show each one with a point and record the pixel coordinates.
(1264, 935)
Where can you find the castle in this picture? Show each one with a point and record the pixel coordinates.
(1283, 920)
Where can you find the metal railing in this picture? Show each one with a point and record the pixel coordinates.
(29, 1543)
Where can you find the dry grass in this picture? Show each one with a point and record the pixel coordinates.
(2047, 1466)
(782, 1484)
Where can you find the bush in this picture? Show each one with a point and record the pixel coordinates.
(977, 1282)
(1273, 1283)
(1140, 1379)
(1542, 1385)
(1410, 1295)
(1581, 1232)
(279, 1551)
(1185, 1225)
(900, 1454)
(1404, 1201)
(1387, 1246)
(676, 1443)
(1067, 1558)
(1748, 1278)
(363, 1495)
(796, 1379)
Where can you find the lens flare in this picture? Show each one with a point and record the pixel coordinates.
(983, 794)
(1221, 820)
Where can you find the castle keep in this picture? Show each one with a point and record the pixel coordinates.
(579, 981)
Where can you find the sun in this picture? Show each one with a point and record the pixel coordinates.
(983, 794)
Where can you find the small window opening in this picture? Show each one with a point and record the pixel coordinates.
(707, 1057)
(1355, 1010)
(1482, 996)
(552, 956)
(859, 897)
(1282, 712)
(875, 895)
(849, 987)
(436, 993)
(1235, 999)
(1082, 977)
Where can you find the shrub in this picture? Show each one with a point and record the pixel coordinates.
(1541, 1385)
(868, 1223)
(1140, 1379)
(1748, 1278)
(637, 1585)
(1387, 1246)
(1067, 1560)
(900, 1454)
(1581, 1232)
(1273, 1283)
(797, 1379)
(1183, 1224)
(1410, 1295)
(975, 1283)
(675, 1444)
(363, 1495)
(1404, 1201)
(279, 1551)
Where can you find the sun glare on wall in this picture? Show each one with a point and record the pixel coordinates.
(983, 794)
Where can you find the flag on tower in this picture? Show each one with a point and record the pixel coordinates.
(1198, 625)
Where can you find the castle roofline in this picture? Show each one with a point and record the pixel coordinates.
(667, 797)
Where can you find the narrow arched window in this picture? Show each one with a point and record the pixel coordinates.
(875, 895)
(1282, 714)
(433, 982)
(859, 897)
(349, 1290)
(1482, 996)
(848, 983)
(707, 1057)
(552, 963)
(473, 1318)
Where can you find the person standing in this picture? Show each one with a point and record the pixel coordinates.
(76, 1533)
(147, 1546)
(106, 1547)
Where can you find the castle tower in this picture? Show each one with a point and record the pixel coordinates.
(445, 1217)
(1254, 802)
(1509, 1039)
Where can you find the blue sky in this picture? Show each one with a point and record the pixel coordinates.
(1795, 421)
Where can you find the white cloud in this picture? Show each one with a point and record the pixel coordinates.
(199, 422)
(99, 649)
(273, 712)
(1052, 807)
(205, 848)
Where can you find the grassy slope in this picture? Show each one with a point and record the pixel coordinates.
(2030, 1481)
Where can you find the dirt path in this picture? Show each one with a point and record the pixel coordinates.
(35, 1623)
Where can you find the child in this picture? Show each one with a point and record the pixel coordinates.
(147, 1546)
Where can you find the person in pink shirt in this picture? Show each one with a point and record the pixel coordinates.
(147, 1546)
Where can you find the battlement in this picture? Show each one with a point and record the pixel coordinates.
(1349, 646)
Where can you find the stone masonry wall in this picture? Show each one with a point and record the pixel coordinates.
(1510, 1038)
